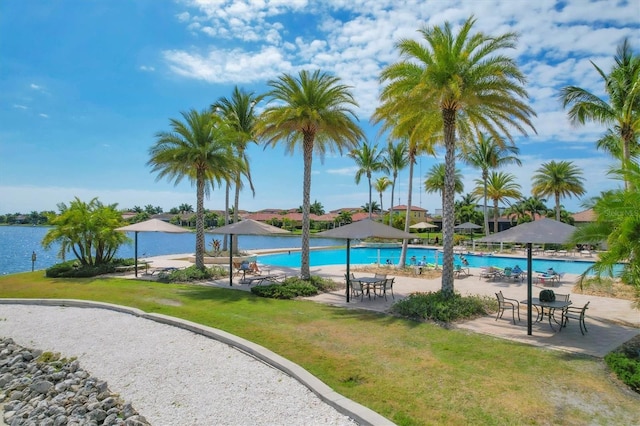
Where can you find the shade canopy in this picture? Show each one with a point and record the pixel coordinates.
(365, 228)
(151, 225)
(423, 225)
(154, 225)
(249, 227)
(541, 231)
(246, 227)
(466, 225)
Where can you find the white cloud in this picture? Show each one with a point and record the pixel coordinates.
(221, 66)
(147, 68)
(17, 106)
(35, 86)
(43, 115)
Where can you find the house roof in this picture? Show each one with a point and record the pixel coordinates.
(585, 216)
(404, 208)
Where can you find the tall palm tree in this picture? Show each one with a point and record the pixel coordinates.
(198, 149)
(369, 160)
(381, 185)
(487, 153)
(239, 112)
(500, 188)
(560, 179)
(455, 83)
(395, 160)
(435, 180)
(617, 222)
(310, 110)
(621, 111)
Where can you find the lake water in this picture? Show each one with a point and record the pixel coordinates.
(18, 242)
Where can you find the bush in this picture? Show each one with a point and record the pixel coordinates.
(436, 306)
(625, 363)
(192, 273)
(71, 269)
(289, 289)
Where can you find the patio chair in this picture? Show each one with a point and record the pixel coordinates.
(504, 303)
(380, 290)
(576, 313)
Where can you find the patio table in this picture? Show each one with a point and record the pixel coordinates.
(370, 282)
(551, 306)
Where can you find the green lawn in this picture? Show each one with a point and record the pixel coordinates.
(412, 373)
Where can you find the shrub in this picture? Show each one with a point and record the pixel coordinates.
(436, 306)
(193, 273)
(289, 289)
(627, 369)
(71, 269)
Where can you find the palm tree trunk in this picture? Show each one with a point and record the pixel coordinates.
(486, 217)
(200, 220)
(381, 209)
(393, 189)
(236, 203)
(495, 215)
(306, 206)
(225, 240)
(448, 211)
(557, 206)
(405, 242)
(370, 206)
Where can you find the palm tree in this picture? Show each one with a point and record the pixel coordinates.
(617, 222)
(395, 160)
(487, 153)
(500, 187)
(621, 112)
(381, 185)
(455, 83)
(466, 210)
(369, 160)
(311, 110)
(560, 179)
(435, 180)
(239, 114)
(199, 150)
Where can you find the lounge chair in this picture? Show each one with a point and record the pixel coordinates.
(458, 270)
(253, 268)
(517, 273)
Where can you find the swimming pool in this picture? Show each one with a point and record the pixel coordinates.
(367, 255)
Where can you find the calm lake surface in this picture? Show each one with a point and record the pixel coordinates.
(18, 242)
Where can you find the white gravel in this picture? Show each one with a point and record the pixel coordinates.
(171, 376)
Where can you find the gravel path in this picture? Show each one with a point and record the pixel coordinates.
(171, 376)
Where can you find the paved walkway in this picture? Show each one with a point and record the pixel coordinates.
(610, 322)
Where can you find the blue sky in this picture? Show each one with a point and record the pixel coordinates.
(86, 84)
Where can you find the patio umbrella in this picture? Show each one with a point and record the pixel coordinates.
(151, 225)
(468, 226)
(423, 226)
(542, 231)
(246, 227)
(362, 229)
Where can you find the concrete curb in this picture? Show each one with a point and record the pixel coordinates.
(361, 414)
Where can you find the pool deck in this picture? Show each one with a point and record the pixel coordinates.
(610, 321)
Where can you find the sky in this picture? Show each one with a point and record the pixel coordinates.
(85, 85)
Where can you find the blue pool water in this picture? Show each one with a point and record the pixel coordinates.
(362, 255)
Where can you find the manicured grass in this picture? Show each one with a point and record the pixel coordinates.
(412, 373)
